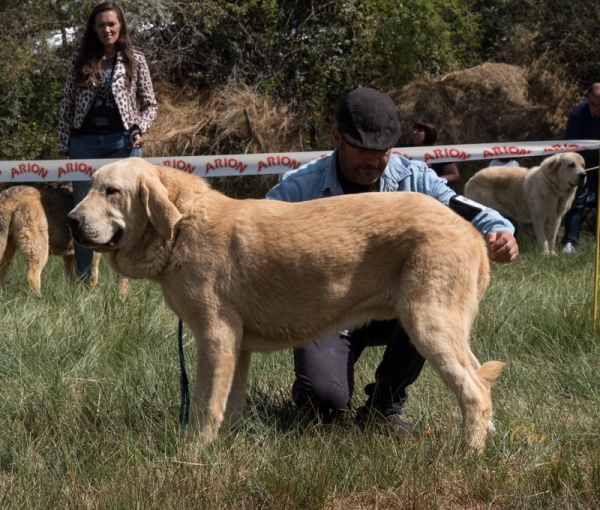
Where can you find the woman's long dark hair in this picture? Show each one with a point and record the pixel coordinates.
(430, 131)
(89, 59)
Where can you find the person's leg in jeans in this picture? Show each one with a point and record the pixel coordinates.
(324, 376)
(399, 368)
(572, 219)
(113, 145)
(82, 147)
(325, 369)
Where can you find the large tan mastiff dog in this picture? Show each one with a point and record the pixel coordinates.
(540, 196)
(261, 275)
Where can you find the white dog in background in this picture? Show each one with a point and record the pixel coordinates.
(540, 196)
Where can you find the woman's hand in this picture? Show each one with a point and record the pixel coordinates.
(135, 139)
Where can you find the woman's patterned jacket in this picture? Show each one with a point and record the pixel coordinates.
(76, 101)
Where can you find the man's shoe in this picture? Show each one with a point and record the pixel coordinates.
(392, 419)
(568, 248)
(398, 423)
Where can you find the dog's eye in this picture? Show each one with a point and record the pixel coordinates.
(112, 191)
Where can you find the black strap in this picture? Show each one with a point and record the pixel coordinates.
(184, 409)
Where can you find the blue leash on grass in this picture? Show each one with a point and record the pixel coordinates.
(184, 409)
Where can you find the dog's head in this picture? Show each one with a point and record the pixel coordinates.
(123, 198)
(569, 168)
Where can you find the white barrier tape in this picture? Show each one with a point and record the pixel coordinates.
(278, 163)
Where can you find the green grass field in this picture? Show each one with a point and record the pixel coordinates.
(89, 405)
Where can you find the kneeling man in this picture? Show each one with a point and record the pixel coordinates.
(367, 128)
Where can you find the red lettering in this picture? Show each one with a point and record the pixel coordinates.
(33, 168)
(218, 163)
(261, 165)
(563, 147)
(437, 153)
(271, 160)
(209, 167)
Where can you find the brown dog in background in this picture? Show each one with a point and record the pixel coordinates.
(33, 221)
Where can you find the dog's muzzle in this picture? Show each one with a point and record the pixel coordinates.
(579, 179)
(75, 222)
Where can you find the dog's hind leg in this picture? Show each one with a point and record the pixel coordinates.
(69, 263)
(34, 247)
(440, 345)
(439, 326)
(30, 235)
(539, 228)
(9, 253)
(217, 350)
(237, 396)
(94, 269)
(552, 233)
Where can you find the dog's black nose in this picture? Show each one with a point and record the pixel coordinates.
(74, 220)
(580, 179)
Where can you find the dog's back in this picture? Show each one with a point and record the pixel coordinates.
(501, 188)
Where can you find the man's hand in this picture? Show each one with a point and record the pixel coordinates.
(503, 246)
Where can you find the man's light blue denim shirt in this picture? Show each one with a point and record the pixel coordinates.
(318, 179)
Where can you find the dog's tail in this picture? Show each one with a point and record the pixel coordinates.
(489, 372)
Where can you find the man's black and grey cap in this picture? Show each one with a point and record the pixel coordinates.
(367, 120)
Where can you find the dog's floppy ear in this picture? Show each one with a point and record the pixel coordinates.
(161, 212)
(554, 163)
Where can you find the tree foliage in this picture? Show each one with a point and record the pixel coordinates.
(306, 53)
(307, 50)
(562, 35)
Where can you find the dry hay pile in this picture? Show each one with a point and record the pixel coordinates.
(471, 106)
(228, 120)
(481, 104)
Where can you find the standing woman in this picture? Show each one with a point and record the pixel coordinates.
(425, 134)
(99, 116)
